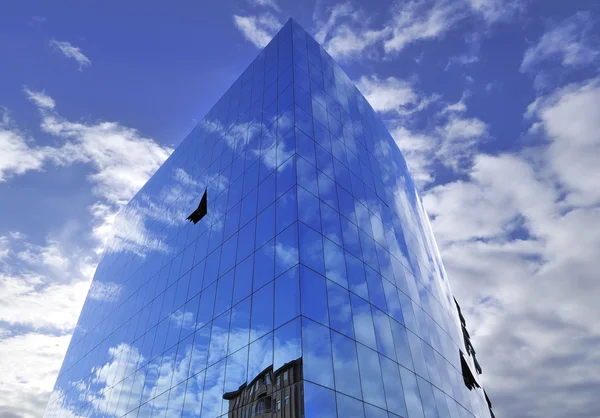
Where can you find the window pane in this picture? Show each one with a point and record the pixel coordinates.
(311, 249)
(319, 402)
(264, 265)
(335, 264)
(262, 312)
(394, 393)
(240, 325)
(348, 407)
(345, 365)
(314, 295)
(287, 343)
(340, 311)
(287, 297)
(411, 393)
(370, 376)
(316, 349)
(363, 322)
(286, 249)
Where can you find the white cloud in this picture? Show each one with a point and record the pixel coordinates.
(35, 279)
(417, 150)
(569, 43)
(393, 95)
(39, 279)
(71, 51)
(121, 159)
(497, 10)
(452, 141)
(414, 21)
(266, 3)
(258, 29)
(459, 140)
(30, 363)
(345, 40)
(519, 245)
(17, 155)
(570, 119)
(40, 98)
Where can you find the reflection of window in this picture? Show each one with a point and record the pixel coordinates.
(287, 399)
(278, 404)
(285, 376)
(268, 379)
(260, 408)
(278, 381)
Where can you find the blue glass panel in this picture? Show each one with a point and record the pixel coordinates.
(264, 265)
(242, 286)
(311, 248)
(316, 353)
(340, 311)
(239, 333)
(363, 322)
(308, 209)
(348, 407)
(288, 343)
(287, 296)
(411, 394)
(313, 295)
(370, 376)
(394, 393)
(345, 365)
(319, 401)
(262, 312)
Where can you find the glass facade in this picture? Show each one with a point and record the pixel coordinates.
(312, 287)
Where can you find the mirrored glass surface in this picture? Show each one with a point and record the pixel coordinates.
(310, 285)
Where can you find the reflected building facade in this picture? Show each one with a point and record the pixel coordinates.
(307, 284)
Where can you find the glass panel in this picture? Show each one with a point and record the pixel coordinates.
(411, 394)
(288, 344)
(340, 311)
(262, 312)
(316, 350)
(286, 249)
(370, 376)
(348, 407)
(319, 402)
(313, 295)
(345, 365)
(287, 297)
(394, 393)
(363, 322)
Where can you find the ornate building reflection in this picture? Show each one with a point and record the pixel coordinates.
(272, 393)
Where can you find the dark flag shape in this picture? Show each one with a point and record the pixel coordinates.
(199, 213)
(468, 377)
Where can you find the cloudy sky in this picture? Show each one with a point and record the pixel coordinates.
(495, 104)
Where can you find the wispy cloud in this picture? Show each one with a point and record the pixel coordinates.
(72, 52)
(570, 43)
(266, 3)
(414, 21)
(40, 98)
(393, 95)
(349, 33)
(258, 29)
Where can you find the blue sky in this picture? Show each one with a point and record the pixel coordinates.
(495, 104)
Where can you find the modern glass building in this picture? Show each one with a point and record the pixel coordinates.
(308, 284)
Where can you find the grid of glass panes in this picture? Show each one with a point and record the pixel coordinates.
(311, 212)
